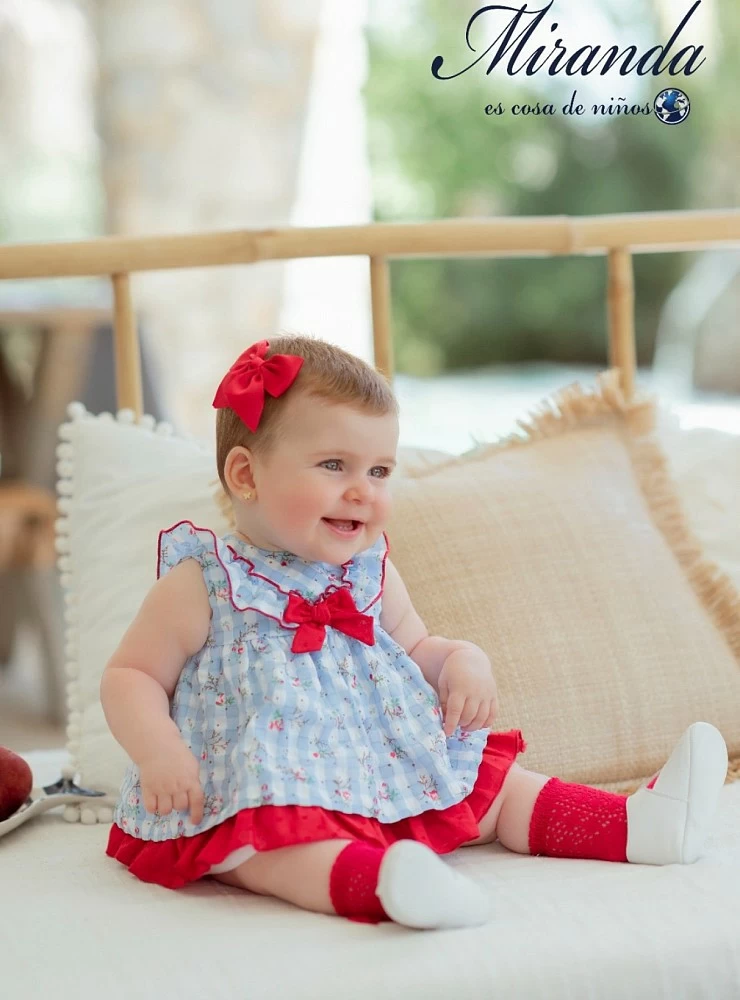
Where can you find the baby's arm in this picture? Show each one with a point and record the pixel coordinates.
(399, 619)
(459, 671)
(140, 678)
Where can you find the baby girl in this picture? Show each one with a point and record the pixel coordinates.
(293, 727)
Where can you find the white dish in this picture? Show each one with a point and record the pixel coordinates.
(62, 793)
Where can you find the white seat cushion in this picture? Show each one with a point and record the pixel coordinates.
(78, 925)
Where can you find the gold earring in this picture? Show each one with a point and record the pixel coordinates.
(247, 496)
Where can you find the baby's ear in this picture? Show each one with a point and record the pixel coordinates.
(238, 469)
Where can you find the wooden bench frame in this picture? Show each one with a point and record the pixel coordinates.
(617, 237)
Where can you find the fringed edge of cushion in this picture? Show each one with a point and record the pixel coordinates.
(631, 785)
(714, 589)
(565, 409)
(575, 407)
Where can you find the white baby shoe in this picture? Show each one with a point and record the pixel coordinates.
(418, 889)
(669, 818)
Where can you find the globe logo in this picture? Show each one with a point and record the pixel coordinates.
(672, 107)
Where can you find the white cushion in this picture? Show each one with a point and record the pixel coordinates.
(705, 462)
(121, 483)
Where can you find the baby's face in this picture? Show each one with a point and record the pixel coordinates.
(334, 463)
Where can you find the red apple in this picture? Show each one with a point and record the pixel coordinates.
(16, 782)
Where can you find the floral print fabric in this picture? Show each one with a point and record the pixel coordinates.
(350, 727)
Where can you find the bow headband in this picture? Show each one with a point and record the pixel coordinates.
(244, 385)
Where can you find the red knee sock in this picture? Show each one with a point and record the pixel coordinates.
(576, 821)
(353, 881)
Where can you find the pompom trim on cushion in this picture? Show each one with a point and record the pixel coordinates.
(102, 810)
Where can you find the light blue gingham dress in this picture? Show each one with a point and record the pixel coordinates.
(351, 727)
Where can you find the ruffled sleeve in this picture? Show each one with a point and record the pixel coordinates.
(228, 576)
(185, 541)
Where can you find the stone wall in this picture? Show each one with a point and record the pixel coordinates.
(201, 110)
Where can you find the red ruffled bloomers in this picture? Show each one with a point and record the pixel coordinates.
(173, 863)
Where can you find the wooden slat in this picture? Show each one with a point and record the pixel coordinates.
(72, 319)
(550, 235)
(655, 230)
(380, 294)
(621, 311)
(129, 393)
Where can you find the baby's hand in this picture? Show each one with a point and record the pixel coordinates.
(467, 692)
(171, 780)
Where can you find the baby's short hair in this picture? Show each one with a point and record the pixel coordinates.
(328, 372)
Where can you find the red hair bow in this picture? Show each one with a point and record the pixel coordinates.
(244, 385)
(338, 609)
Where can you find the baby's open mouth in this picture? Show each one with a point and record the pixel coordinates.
(343, 527)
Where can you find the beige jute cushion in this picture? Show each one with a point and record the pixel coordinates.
(564, 554)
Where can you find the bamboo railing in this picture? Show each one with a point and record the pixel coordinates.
(617, 237)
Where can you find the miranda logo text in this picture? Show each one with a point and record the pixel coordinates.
(584, 60)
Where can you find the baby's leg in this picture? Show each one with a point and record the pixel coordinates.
(520, 793)
(665, 822)
(407, 883)
(519, 796)
(520, 790)
(297, 874)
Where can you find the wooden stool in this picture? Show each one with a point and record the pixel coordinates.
(28, 581)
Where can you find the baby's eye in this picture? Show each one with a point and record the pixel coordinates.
(384, 470)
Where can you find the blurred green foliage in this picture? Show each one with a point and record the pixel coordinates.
(436, 154)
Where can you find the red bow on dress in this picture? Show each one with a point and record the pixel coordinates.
(338, 610)
(244, 385)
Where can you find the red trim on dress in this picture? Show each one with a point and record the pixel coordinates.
(234, 605)
(253, 572)
(382, 575)
(175, 862)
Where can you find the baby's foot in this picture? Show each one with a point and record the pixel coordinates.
(417, 889)
(669, 818)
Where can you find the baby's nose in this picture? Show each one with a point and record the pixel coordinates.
(360, 491)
